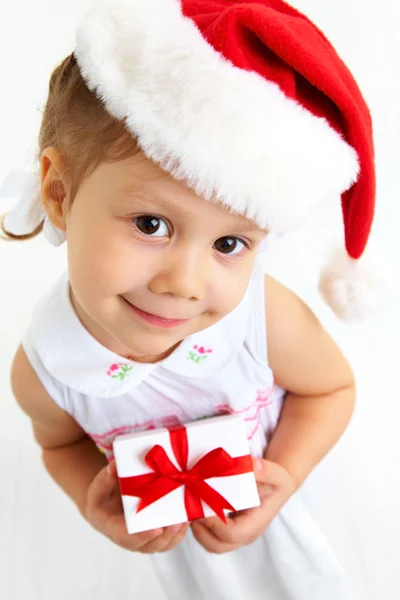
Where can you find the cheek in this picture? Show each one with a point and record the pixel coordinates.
(230, 290)
(105, 261)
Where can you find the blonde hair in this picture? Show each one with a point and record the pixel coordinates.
(76, 122)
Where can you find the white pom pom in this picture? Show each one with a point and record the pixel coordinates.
(356, 289)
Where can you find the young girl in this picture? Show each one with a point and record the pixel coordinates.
(175, 138)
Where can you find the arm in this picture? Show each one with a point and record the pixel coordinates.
(69, 455)
(317, 408)
(319, 382)
(77, 466)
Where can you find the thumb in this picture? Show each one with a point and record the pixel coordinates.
(266, 472)
(104, 484)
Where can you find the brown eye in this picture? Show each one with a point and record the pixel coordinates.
(151, 225)
(229, 245)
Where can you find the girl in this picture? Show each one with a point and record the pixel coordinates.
(175, 138)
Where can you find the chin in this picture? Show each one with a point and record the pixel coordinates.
(148, 347)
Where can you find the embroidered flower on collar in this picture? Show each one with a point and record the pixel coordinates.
(119, 371)
(198, 353)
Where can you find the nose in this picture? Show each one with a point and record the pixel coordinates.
(182, 274)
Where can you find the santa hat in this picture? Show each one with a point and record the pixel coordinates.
(248, 103)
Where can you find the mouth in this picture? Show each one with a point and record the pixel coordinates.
(154, 319)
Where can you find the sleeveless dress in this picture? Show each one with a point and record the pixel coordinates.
(221, 370)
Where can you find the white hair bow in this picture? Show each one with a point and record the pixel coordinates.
(28, 214)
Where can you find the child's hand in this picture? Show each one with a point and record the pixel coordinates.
(275, 486)
(105, 513)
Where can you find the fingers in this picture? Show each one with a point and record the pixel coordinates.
(232, 534)
(105, 513)
(272, 475)
(147, 542)
(214, 535)
(172, 537)
(116, 531)
(267, 472)
(169, 539)
(179, 537)
(209, 541)
(248, 525)
(103, 485)
(241, 529)
(229, 533)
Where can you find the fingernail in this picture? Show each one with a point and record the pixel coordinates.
(157, 532)
(175, 528)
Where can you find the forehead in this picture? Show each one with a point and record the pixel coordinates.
(141, 179)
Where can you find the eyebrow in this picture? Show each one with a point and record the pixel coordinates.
(132, 192)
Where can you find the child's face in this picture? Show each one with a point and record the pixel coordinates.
(157, 247)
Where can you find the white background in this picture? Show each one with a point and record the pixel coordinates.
(47, 551)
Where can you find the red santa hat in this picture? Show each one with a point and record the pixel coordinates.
(248, 103)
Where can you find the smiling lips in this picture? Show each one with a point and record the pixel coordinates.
(154, 319)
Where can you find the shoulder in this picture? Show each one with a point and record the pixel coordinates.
(278, 297)
(52, 426)
(303, 356)
(287, 316)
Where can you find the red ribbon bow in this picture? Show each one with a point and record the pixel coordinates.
(166, 477)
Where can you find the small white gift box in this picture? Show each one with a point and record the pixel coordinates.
(170, 476)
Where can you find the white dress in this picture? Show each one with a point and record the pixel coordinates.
(221, 370)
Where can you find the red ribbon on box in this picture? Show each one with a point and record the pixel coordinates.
(166, 477)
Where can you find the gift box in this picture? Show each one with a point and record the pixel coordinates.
(188, 472)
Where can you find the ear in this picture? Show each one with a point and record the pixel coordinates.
(53, 188)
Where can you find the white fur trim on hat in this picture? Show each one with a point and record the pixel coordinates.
(229, 134)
